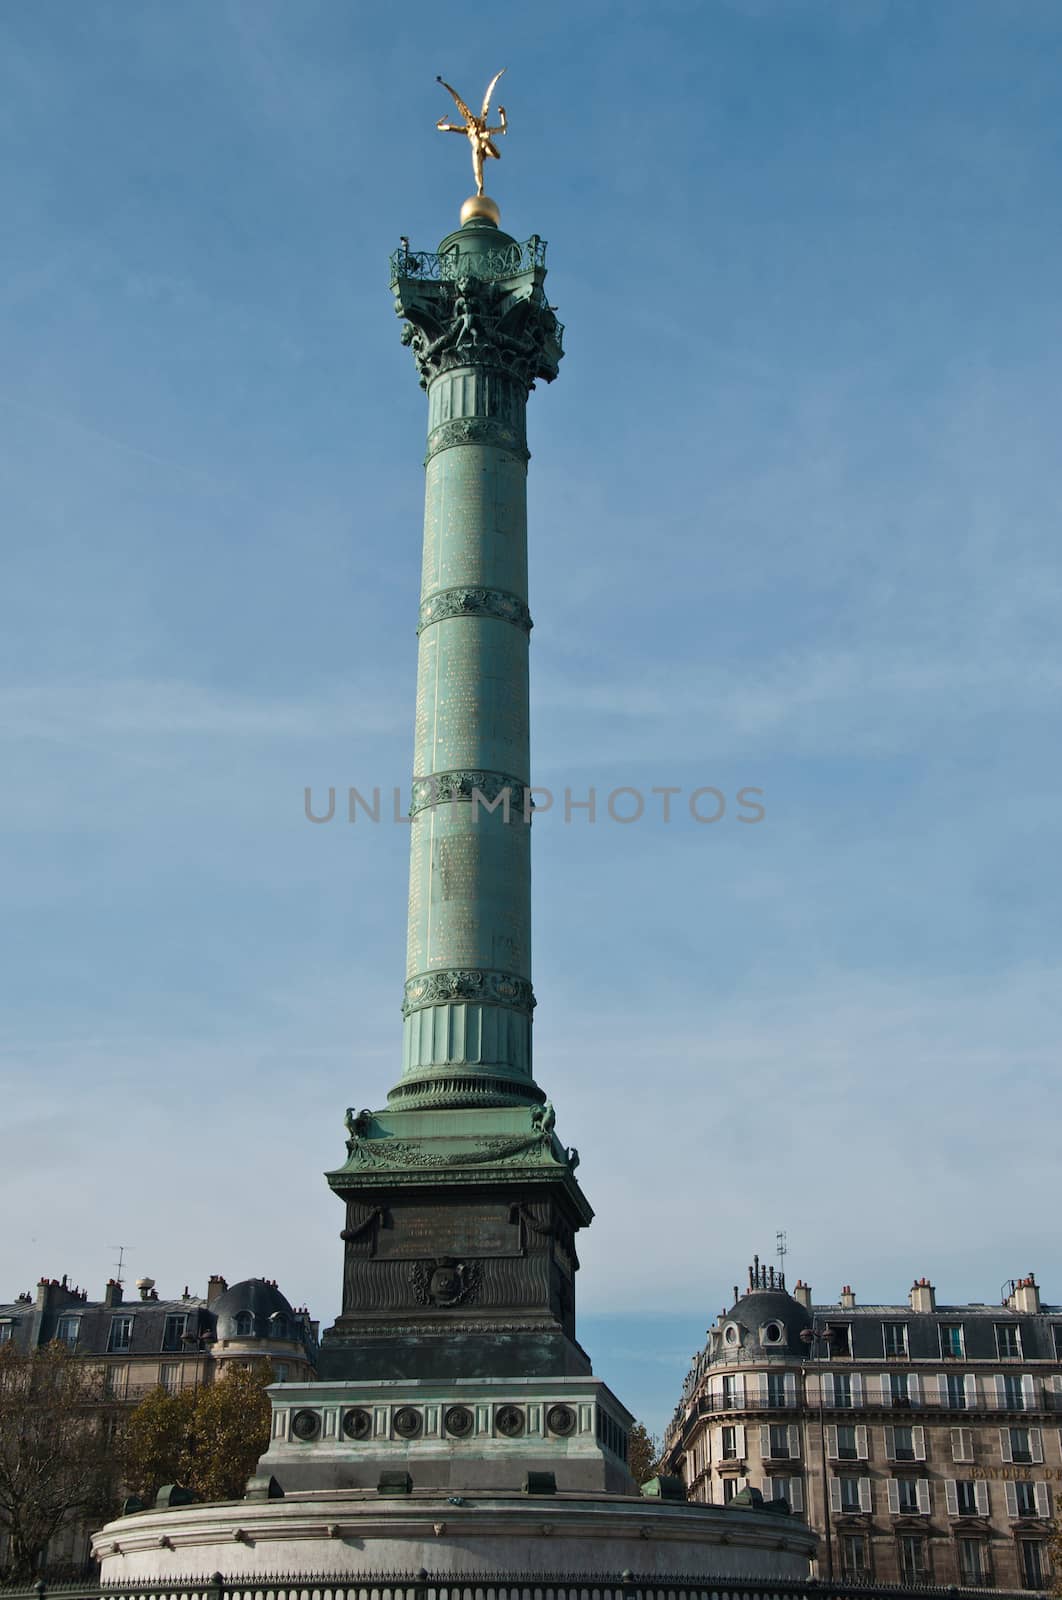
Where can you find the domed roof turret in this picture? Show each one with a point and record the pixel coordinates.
(254, 1309)
(765, 1321)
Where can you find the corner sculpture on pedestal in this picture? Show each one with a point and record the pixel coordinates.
(457, 1428)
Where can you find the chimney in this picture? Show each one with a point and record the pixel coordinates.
(216, 1285)
(923, 1296)
(847, 1298)
(802, 1294)
(146, 1287)
(1026, 1295)
(112, 1294)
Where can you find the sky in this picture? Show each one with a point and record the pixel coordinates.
(794, 526)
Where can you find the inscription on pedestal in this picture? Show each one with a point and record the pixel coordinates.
(418, 1231)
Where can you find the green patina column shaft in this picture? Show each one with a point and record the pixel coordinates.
(481, 332)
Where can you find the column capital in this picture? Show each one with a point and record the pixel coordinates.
(484, 310)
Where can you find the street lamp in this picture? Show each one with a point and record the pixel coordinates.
(813, 1337)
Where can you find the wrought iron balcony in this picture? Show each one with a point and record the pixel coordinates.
(509, 261)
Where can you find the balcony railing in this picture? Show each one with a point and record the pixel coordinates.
(507, 262)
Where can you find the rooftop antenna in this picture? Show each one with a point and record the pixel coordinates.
(781, 1247)
(121, 1249)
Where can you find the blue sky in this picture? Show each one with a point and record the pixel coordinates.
(795, 508)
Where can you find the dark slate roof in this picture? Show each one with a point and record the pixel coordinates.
(755, 1311)
(37, 1327)
(263, 1300)
(978, 1322)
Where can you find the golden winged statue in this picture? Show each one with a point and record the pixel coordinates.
(476, 128)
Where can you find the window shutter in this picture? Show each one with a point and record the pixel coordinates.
(831, 1443)
(857, 1388)
(1028, 1390)
(739, 1440)
(741, 1483)
(942, 1388)
(1043, 1499)
(759, 1387)
(835, 1494)
(796, 1494)
(970, 1384)
(790, 1389)
(1012, 1499)
(890, 1444)
(919, 1443)
(981, 1491)
(894, 1498)
(739, 1389)
(794, 1442)
(883, 1387)
(1037, 1443)
(923, 1497)
(826, 1387)
(866, 1497)
(765, 1442)
(951, 1495)
(1004, 1444)
(1001, 1393)
(863, 1444)
(914, 1388)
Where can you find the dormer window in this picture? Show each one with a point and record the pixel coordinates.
(280, 1328)
(244, 1325)
(773, 1333)
(731, 1334)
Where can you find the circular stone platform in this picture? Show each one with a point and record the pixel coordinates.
(349, 1533)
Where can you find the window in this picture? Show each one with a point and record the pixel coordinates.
(1057, 1331)
(731, 1487)
(952, 1344)
(730, 1444)
(779, 1441)
(841, 1339)
(170, 1376)
(914, 1567)
(115, 1382)
(1013, 1397)
(280, 1372)
(907, 1497)
(973, 1566)
(966, 1497)
(279, 1326)
(731, 1334)
(1034, 1570)
(6, 1330)
(1008, 1340)
(853, 1555)
(773, 1333)
(956, 1391)
(894, 1335)
(1020, 1445)
(174, 1331)
(121, 1333)
(846, 1443)
(789, 1489)
(776, 1395)
(245, 1327)
(842, 1389)
(903, 1444)
(67, 1331)
(900, 1388)
(1024, 1499)
(850, 1498)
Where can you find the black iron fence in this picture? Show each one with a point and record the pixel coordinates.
(500, 1586)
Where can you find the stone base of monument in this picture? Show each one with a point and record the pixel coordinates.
(456, 1434)
(355, 1533)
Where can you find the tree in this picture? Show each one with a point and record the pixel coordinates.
(208, 1441)
(643, 1453)
(56, 1460)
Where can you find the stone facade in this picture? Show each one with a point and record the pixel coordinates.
(921, 1441)
(142, 1343)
